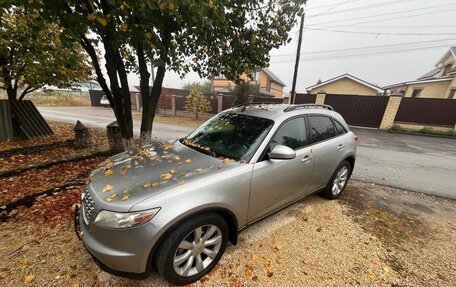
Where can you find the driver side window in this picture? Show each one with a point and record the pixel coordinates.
(291, 134)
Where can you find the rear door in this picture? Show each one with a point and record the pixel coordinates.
(328, 144)
(278, 182)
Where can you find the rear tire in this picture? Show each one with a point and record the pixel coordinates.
(192, 249)
(338, 181)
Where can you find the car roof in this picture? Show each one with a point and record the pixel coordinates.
(280, 112)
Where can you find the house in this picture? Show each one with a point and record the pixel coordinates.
(440, 82)
(270, 84)
(346, 84)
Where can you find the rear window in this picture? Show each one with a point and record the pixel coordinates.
(339, 128)
(322, 128)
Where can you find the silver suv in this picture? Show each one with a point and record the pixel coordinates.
(175, 206)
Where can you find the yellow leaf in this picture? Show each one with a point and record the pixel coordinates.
(153, 158)
(25, 264)
(149, 35)
(199, 170)
(147, 185)
(164, 156)
(109, 172)
(111, 198)
(268, 265)
(177, 157)
(172, 171)
(166, 176)
(107, 188)
(29, 278)
(124, 26)
(102, 20)
(255, 258)
(155, 184)
(188, 161)
(180, 181)
(92, 17)
(75, 285)
(371, 277)
(125, 198)
(386, 268)
(249, 271)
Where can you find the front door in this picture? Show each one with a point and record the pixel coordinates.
(278, 182)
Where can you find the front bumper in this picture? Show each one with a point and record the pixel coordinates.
(118, 251)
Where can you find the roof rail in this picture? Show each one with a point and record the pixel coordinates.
(294, 107)
(244, 106)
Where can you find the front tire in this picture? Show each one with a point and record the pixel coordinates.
(192, 249)
(338, 181)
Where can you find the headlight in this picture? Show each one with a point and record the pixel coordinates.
(124, 220)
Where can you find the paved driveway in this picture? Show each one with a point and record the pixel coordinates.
(417, 163)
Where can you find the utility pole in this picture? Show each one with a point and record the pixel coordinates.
(298, 55)
(152, 74)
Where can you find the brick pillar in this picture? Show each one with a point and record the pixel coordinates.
(81, 136)
(115, 139)
(173, 104)
(219, 103)
(320, 99)
(390, 112)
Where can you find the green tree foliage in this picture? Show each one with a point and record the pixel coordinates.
(204, 86)
(204, 36)
(196, 103)
(32, 55)
(243, 91)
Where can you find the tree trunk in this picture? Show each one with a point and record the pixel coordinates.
(145, 136)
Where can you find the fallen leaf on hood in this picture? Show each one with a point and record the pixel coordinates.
(127, 190)
(125, 198)
(111, 198)
(147, 185)
(107, 188)
(199, 170)
(155, 184)
(188, 161)
(109, 172)
(180, 181)
(179, 163)
(172, 171)
(29, 278)
(166, 176)
(177, 157)
(170, 161)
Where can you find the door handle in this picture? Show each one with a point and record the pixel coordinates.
(306, 159)
(340, 147)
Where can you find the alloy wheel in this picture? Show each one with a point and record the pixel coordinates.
(340, 180)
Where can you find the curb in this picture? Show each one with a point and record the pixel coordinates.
(421, 134)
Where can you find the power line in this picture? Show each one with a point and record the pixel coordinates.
(360, 7)
(324, 6)
(402, 27)
(398, 51)
(386, 14)
(398, 45)
(380, 33)
(328, 11)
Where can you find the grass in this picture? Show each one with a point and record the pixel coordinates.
(58, 100)
(426, 130)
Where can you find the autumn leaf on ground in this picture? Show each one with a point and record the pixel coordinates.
(255, 258)
(147, 185)
(125, 198)
(188, 161)
(199, 170)
(76, 285)
(29, 278)
(107, 188)
(109, 172)
(166, 176)
(268, 265)
(249, 271)
(371, 277)
(24, 264)
(155, 184)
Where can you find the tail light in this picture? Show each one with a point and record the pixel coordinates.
(356, 138)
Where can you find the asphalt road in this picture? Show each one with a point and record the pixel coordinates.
(416, 163)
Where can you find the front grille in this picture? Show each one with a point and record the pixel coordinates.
(88, 206)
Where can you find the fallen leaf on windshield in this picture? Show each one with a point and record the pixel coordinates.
(180, 181)
(172, 171)
(125, 197)
(155, 184)
(166, 176)
(164, 156)
(109, 172)
(107, 188)
(29, 278)
(154, 158)
(228, 160)
(170, 161)
(188, 161)
(112, 197)
(147, 185)
(199, 170)
(123, 171)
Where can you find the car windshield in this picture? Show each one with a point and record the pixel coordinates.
(229, 135)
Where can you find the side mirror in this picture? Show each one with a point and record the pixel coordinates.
(282, 152)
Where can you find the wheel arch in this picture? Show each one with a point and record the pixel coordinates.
(351, 161)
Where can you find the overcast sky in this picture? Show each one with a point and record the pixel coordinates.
(382, 42)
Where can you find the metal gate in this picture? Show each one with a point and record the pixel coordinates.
(357, 110)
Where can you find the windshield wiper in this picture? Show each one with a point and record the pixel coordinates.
(205, 151)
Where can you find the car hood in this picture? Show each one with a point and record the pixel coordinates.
(132, 176)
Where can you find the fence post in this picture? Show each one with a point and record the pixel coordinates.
(320, 99)
(219, 103)
(390, 112)
(173, 104)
